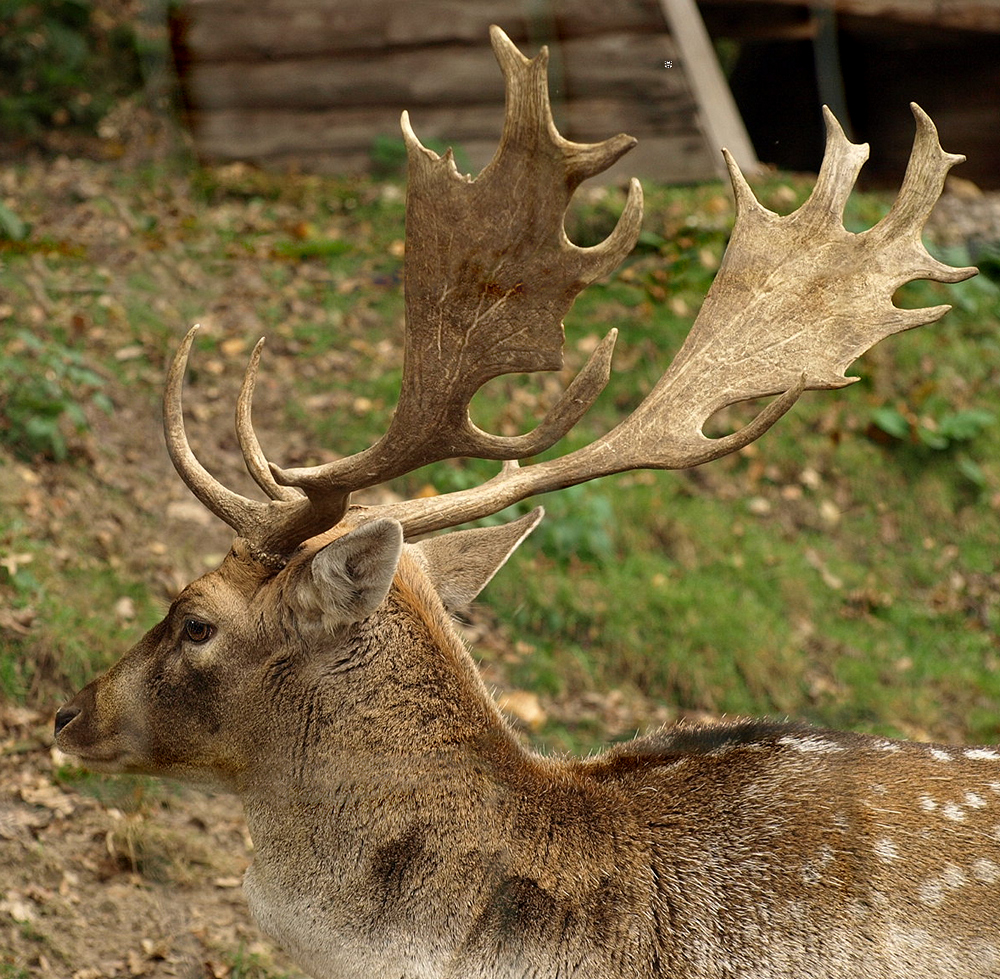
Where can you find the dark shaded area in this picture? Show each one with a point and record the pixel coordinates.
(782, 54)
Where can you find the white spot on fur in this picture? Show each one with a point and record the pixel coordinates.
(985, 871)
(982, 754)
(954, 812)
(932, 893)
(886, 851)
(890, 746)
(974, 801)
(940, 755)
(812, 870)
(953, 877)
(927, 803)
(810, 742)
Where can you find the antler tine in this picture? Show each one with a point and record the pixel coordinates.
(271, 530)
(796, 301)
(253, 455)
(239, 512)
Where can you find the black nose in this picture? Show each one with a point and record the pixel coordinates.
(64, 715)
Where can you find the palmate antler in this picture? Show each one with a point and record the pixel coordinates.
(490, 274)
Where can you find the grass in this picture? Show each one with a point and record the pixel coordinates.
(251, 965)
(841, 570)
(64, 591)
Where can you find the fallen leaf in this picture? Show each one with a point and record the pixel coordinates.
(525, 706)
(18, 909)
(227, 882)
(138, 965)
(232, 346)
(132, 352)
(155, 950)
(11, 561)
(49, 796)
(125, 609)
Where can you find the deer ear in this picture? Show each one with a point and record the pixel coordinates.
(461, 564)
(349, 578)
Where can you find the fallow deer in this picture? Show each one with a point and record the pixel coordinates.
(400, 828)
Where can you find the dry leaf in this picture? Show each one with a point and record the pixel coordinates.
(227, 882)
(525, 706)
(49, 796)
(17, 908)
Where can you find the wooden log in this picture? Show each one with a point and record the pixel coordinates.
(234, 30)
(615, 65)
(256, 134)
(681, 158)
(973, 15)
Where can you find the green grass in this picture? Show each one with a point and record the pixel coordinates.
(249, 965)
(841, 570)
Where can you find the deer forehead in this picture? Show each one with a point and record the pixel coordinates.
(214, 596)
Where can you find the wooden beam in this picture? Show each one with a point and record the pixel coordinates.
(970, 15)
(720, 119)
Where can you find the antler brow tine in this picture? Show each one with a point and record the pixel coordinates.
(237, 511)
(256, 462)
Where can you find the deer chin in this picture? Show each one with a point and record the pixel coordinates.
(107, 760)
(121, 763)
(117, 763)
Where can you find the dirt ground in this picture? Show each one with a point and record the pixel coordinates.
(89, 889)
(103, 877)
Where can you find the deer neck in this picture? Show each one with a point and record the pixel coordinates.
(381, 716)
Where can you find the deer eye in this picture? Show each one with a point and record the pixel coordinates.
(197, 631)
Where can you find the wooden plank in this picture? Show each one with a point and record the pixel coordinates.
(973, 15)
(397, 78)
(719, 116)
(983, 15)
(679, 158)
(261, 133)
(231, 30)
(676, 159)
(257, 134)
(619, 65)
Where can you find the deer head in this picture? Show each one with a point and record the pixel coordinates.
(400, 828)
